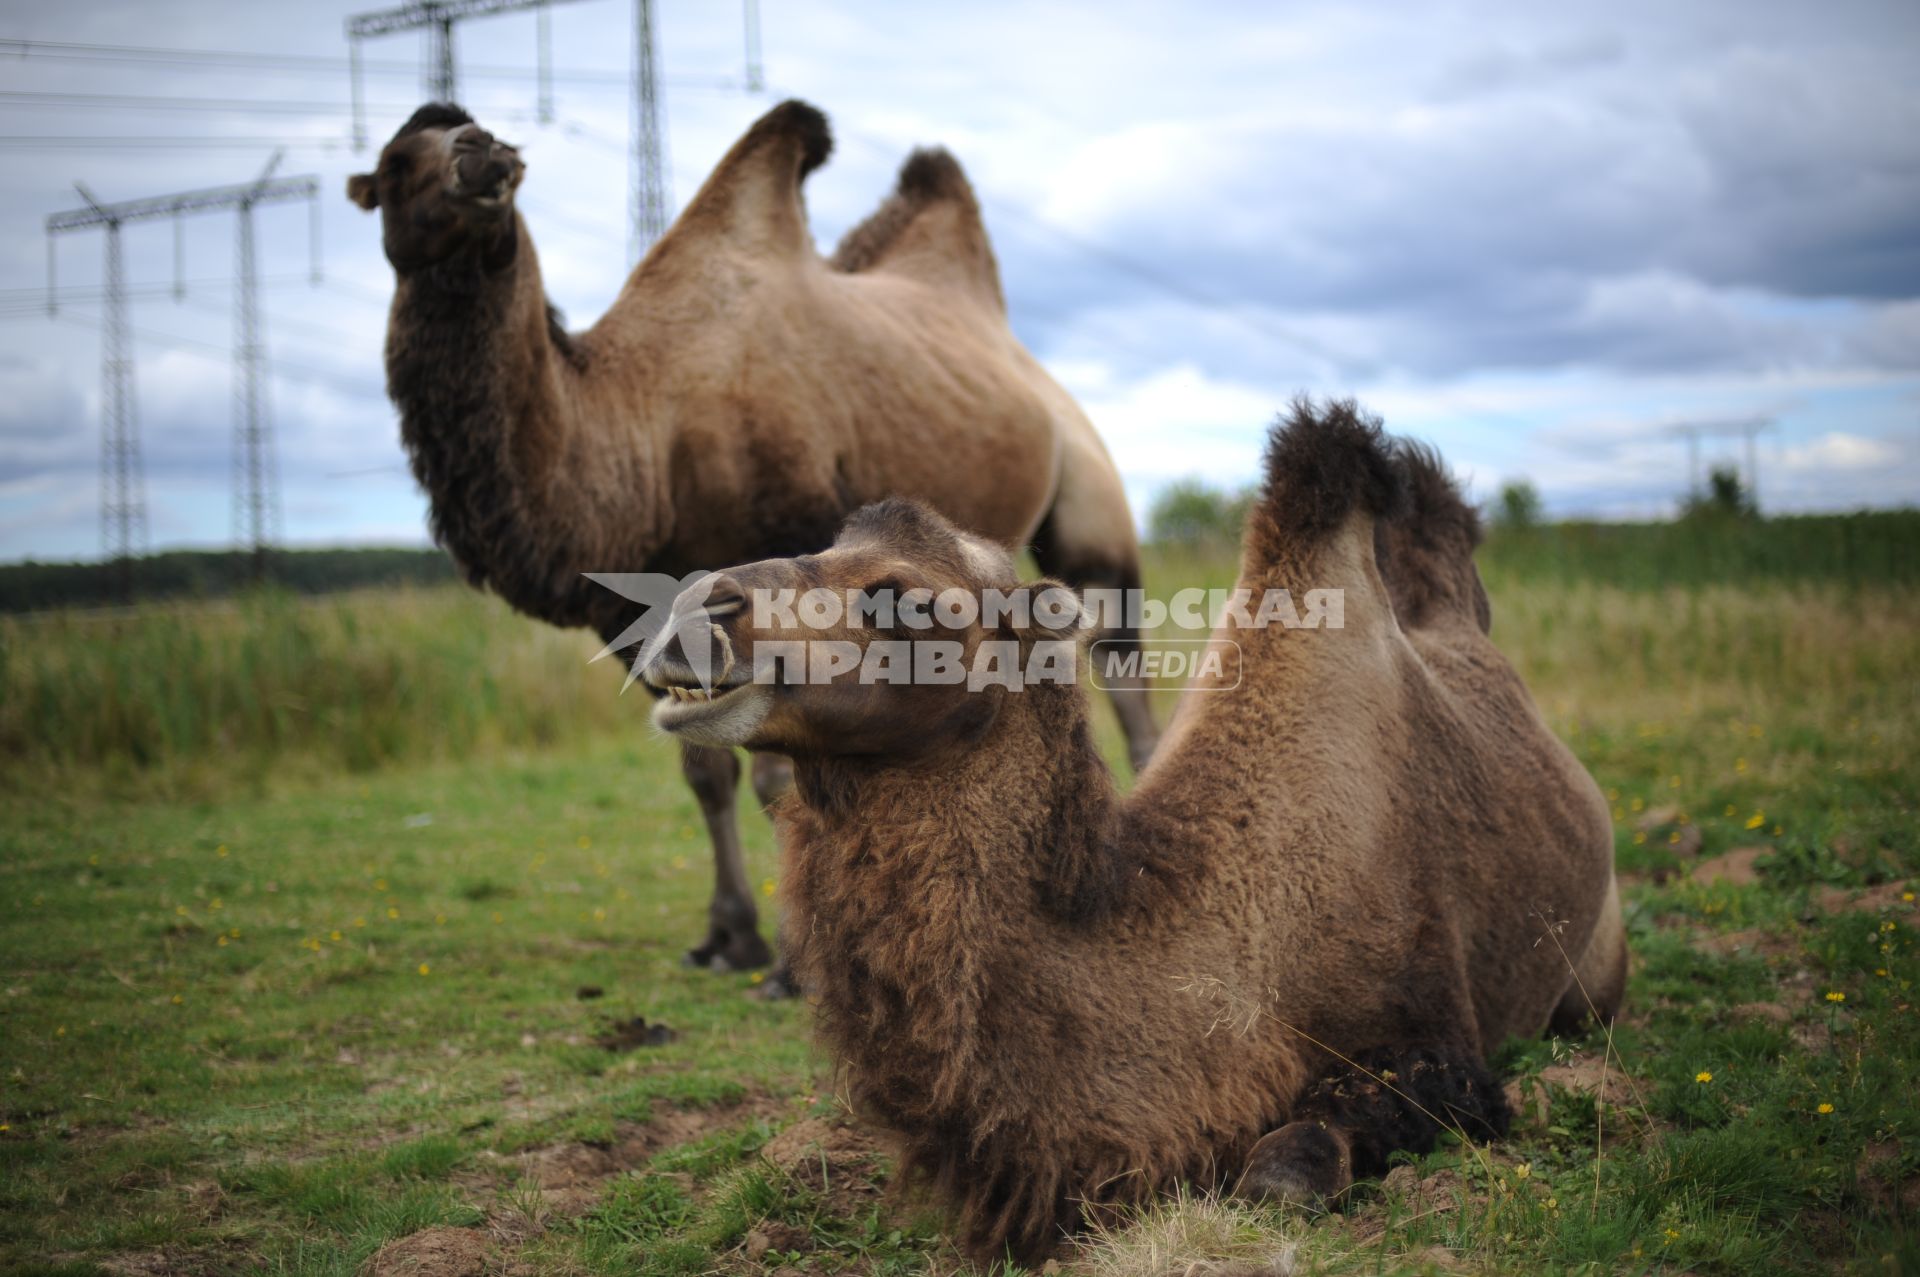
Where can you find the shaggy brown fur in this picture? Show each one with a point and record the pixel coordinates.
(740, 398)
(1056, 995)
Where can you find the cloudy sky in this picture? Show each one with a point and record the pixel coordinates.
(1539, 236)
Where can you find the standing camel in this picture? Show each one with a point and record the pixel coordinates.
(741, 397)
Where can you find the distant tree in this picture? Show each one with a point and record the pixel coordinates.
(1517, 505)
(1191, 512)
(1725, 497)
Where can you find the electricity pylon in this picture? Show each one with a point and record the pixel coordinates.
(256, 498)
(123, 494)
(1748, 429)
(440, 72)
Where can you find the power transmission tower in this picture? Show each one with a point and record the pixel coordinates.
(123, 493)
(256, 499)
(648, 200)
(1748, 429)
(756, 72)
(439, 74)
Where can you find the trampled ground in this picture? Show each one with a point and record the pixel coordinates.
(287, 1011)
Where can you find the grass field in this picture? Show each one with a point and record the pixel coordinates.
(324, 926)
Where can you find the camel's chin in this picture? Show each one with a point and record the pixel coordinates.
(729, 717)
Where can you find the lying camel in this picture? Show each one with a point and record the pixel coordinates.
(1358, 861)
(741, 397)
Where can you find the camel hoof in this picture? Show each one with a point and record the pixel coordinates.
(723, 951)
(1303, 1163)
(778, 986)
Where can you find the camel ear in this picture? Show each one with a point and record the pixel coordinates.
(361, 190)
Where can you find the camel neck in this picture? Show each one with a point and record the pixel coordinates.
(923, 887)
(490, 394)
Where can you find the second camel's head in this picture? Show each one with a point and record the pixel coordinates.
(901, 642)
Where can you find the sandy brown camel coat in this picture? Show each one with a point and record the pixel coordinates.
(1372, 846)
(738, 400)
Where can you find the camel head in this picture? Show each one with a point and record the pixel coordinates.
(443, 186)
(865, 649)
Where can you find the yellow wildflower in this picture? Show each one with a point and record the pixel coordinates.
(1756, 820)
(1834, 995)
(1825, 1108)
(425, 969)
(1703, 1077)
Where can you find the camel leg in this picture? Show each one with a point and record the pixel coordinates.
(772, 777)
(1062, 550)
(1349, 1122)
(733, 940)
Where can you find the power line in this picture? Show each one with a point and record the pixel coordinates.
(438, 18)
(161, 102)
(132, 142)
(322, 64)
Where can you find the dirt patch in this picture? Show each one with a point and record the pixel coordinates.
(1593, 1075)
(830, 1156)
(1440, 1193)
(631, 1035)
(771, 1236)
(1751, 940)
(1735, 867)
(433, 1252)
(1769, 1012)
(567, 1179)
(1881, 1183)
(1882, 899)
(1531, 1104)
(805, 1141)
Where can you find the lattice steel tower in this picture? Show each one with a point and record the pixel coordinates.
(256, 498)
(649, 197)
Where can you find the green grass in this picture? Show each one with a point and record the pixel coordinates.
(297, 900)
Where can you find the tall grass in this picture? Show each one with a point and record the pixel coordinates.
(352, 680)
(1871, 548)
(207, 692)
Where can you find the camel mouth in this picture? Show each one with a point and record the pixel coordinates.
(720, 716)
(696, 695)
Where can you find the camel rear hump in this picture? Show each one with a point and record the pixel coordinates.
(1425, 551)
(929, 229)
